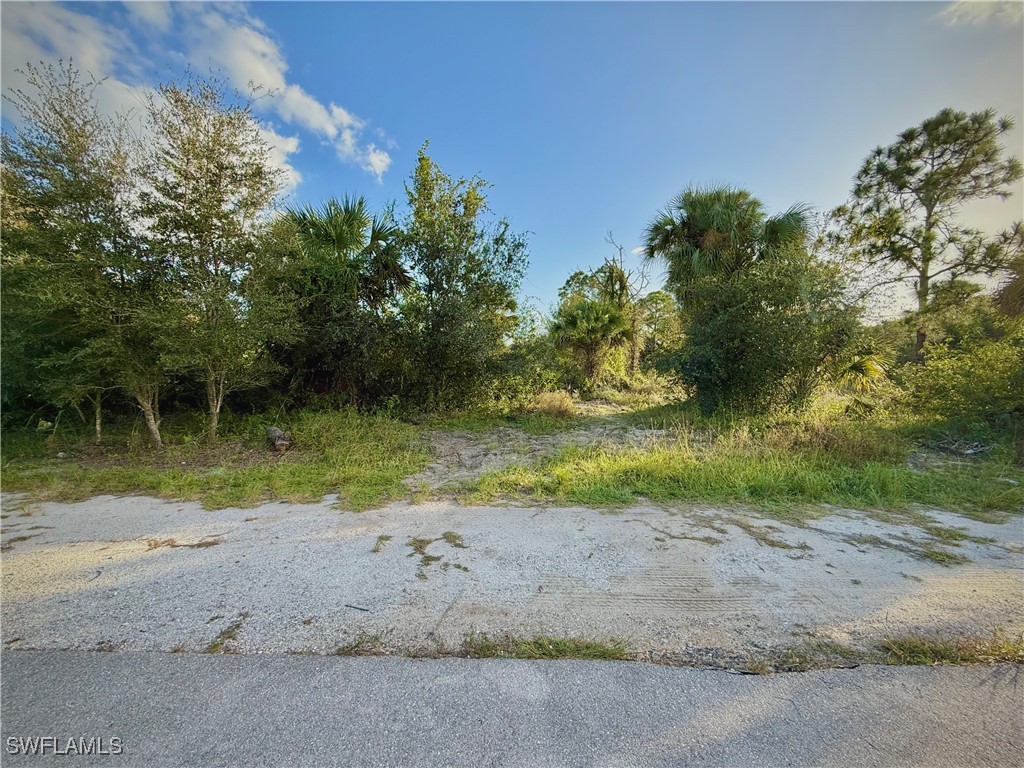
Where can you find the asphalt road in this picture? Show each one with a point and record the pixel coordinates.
(242, 710)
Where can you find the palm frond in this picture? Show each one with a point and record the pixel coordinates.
(862, 373)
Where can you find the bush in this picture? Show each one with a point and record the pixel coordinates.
(762, 337)
(971, 387)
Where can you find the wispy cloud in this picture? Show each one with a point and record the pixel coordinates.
(150, 15)
(980, 12)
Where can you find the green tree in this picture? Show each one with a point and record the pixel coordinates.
(662, 328)
(589, 329)
(903, 216)
(79, 290)
(208, 189)
(349, 277)
(1010, 296)
(613, 284)
(461, 312)
(766, 336)
(763, 320)
(719, 231)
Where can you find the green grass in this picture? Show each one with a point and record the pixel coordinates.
(361, 458)
(928, 650)
(763, 476)
(453, 538)
(541, 647)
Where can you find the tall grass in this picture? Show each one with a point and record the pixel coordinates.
(768, 465)
(362, 458)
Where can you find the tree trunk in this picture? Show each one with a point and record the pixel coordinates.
(924, 284)
(923, 281)
(919, 346)
(97, 402)
(215, 386)
(590, 364)
(152, 421)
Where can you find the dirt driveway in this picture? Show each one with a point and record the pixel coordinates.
(699, 585)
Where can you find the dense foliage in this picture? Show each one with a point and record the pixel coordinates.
(143, 276)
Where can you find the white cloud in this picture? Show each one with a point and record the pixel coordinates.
(980, 12)
(239, 44)
(638, 250)
(222, 36)
(156, 15)
(377, 161)
(36, 32)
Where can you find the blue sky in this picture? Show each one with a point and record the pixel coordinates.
(586, 117)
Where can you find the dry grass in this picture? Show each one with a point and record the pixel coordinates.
(557, 405)
(152, 544)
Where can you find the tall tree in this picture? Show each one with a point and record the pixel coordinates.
(350, 276)
(903, 216)
(79, 291)
(467, 273)
(207, 189)
(762, 316)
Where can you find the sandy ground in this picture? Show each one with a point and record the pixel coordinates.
(127, 574)
(461, 456)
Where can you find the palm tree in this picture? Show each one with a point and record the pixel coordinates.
(719, 231)
(354, 251)
(589, 328)
(352, 270)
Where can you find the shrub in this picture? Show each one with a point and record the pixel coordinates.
(763, 337)
(983, 384)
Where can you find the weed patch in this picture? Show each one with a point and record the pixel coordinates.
(419, 545)
(541, 647)
(925, 551)
(453, 538)
(933, 650)
(227, 635)
(770, 479)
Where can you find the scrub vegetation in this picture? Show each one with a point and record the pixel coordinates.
(161, 311)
